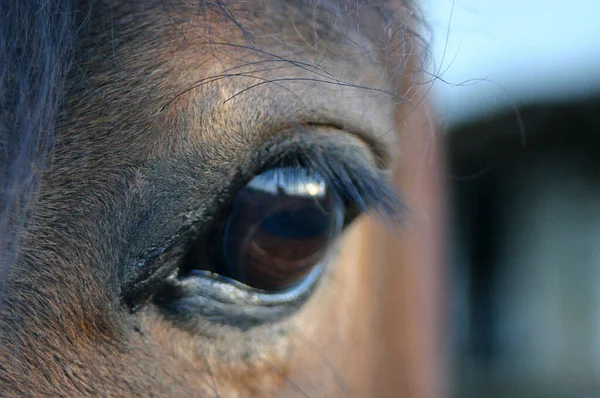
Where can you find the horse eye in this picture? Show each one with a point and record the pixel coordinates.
(278, 230)
(262, 254)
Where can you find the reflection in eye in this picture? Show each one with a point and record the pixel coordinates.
(281, 224)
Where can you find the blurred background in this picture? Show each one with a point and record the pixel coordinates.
(518, 92)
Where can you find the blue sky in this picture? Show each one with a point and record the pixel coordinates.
(505, 52)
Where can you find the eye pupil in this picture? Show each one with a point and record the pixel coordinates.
(303, 223)
(281, 225)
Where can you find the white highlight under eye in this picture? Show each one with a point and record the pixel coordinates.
(293, 181)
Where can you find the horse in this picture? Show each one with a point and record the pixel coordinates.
(218, 199)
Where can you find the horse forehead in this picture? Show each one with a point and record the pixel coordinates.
(268, 64)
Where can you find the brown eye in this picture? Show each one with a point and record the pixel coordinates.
(281, 225)
(279, 229)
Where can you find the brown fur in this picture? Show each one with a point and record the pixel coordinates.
(152, 126)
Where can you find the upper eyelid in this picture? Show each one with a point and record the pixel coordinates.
(378, 148)
(303, 136)
(369, 116)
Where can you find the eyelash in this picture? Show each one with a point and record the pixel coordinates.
(361, 186)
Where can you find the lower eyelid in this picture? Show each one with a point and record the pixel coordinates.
(218, 300)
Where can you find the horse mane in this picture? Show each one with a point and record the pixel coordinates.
(36, 39)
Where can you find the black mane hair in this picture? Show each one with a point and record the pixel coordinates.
(36, 38)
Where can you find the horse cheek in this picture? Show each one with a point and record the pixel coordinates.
(413, 362)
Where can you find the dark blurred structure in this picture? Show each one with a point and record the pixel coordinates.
(526, 252)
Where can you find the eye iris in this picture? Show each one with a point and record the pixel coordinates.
(281, 225)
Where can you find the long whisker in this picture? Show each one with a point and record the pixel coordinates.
(339, 378)
(216, 78)
(306, 79)
(294, 385)
(212, 376)
(307, 66)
